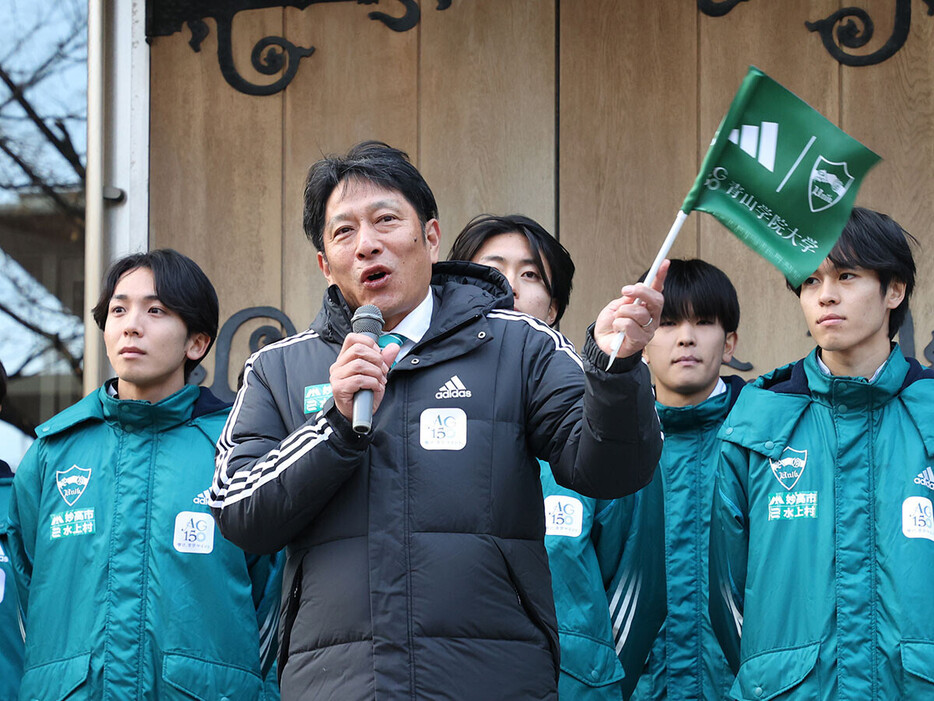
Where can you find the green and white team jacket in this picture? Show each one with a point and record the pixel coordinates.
(822, 539)
(127, 587)
(686, 662)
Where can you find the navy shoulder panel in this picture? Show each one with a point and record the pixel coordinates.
(207, 403)
(916, 371)
(794, 383)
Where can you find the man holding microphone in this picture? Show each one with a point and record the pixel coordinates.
(416, 564)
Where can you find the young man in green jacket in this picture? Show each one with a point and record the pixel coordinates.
(822, 541)
(605, 555)
(696, 335)
(127, 589)
(11, 638)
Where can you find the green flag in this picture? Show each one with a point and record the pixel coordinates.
(780, 176)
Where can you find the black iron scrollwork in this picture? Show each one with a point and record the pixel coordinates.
(738, 364)
(272, 55)
(855, 30)
(716, 8)
(262, 336)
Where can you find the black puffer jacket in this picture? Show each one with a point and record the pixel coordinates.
(416, 560)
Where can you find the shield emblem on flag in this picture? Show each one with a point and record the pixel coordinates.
(829, 183)
(789, 467)
(72, 483)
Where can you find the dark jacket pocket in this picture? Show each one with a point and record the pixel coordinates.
(203, 680)
(589, 661)
(767, 675)
(57, 680)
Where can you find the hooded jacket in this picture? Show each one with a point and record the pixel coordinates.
(607, 565)
(128, 590)
(822, 539)
(416, 560)
(11, 637)
(686, 661)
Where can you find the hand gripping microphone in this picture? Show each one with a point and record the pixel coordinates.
(367, 320)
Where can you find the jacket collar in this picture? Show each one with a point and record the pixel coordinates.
(704, 415)
(171, 411)
(189, 403)
(462, 291)
(857, 392)
(793, 387)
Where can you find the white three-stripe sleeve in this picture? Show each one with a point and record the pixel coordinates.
(270, 483)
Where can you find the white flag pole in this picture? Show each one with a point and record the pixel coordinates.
(650, 276)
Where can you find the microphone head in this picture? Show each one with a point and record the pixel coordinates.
(367, 319)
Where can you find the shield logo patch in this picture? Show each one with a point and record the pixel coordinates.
(72, 483)
(829, 183)
(788, 468)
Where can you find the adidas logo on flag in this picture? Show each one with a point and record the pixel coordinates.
(202, 498)
(759, 142)
(926, 477)
(452, 389)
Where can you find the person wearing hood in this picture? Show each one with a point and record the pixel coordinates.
(416, 565)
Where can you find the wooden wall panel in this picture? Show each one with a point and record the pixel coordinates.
(771, 36)
(215, 165)
(472, 94)
(361, 83)
(627, 141)
(890, 107)
(487, 110)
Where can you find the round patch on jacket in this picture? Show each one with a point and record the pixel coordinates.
(194, 532)
(917, 518)
(564, 516)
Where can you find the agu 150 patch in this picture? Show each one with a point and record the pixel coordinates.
(563, 516)
(443, 429)
(917, 518)
(194, 532)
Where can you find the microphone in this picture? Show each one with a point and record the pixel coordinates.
(367, 320)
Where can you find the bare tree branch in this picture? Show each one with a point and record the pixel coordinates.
(42, 184)
(56, 341)
(63, 146)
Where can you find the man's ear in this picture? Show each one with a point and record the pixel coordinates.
(433, 238)
(324, 267)
(552, 313)
(894, 294)
(729, 346)
(197, 345)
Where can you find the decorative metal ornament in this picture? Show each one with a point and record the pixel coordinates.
(854, 36)
(854, 29)
(272, 55)
(717, 8)
(262, 336)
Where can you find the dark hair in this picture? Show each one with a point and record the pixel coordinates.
(180, 285)
(874, 241)
(369, 161)
(695, 289)
(485, 226)
(2, 383)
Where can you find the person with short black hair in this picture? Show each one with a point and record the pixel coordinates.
(822, 538)
(11, 640)
(416, 565)
(697, 334)
(599, 550)
(125, 588)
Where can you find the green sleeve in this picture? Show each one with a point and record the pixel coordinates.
(729, 548)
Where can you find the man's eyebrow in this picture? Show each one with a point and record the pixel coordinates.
(394, 205)
(147, 298)
(502, 259)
